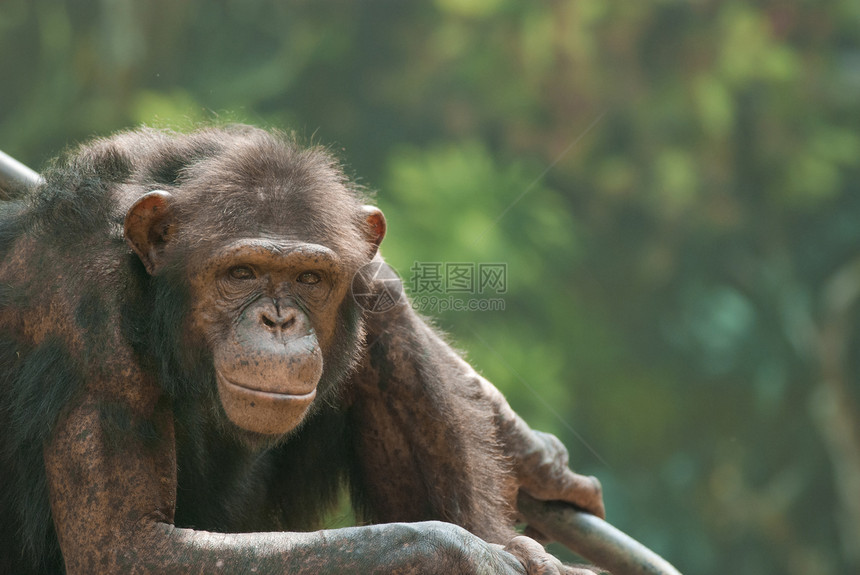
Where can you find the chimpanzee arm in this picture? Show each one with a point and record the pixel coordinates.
(419, 385)
(112, 502)
(540, 459)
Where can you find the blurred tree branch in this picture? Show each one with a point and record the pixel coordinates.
(834, 408)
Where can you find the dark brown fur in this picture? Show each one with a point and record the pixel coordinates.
(116, 453)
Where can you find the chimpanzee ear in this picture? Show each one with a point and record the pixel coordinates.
(147, 228)
(374, 226)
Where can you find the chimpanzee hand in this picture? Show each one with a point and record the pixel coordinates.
(542, 467)
(537, 561)
(472, 555)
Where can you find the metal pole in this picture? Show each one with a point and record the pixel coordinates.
(15, 176)
(592, 538)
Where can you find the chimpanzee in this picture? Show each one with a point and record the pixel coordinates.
(187, 384)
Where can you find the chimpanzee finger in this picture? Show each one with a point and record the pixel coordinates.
(534, 557)
(586, 492)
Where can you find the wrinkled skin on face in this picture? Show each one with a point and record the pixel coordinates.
(269, 361)
(187, 382)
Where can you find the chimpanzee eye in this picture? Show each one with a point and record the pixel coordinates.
(242, 273)
(309, 278)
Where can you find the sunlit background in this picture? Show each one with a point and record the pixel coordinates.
(671, 188)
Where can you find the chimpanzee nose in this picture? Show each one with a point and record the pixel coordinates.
(278, 317)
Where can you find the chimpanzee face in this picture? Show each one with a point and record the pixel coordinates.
(268, 306)
(268, 310)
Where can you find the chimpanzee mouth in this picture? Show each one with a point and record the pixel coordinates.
(269, 412)
(267, 394)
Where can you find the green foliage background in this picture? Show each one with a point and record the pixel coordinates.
(673, 186)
